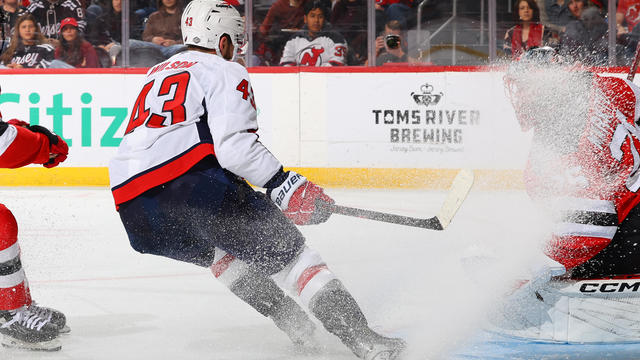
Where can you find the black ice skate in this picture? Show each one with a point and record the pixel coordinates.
(374, 346)
(341, 316)
(56, 317)
(24, 329)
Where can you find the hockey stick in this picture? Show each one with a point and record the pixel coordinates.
(457, 193)
(634, 65)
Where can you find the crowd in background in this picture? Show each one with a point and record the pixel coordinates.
(578, 29)
(87, 33)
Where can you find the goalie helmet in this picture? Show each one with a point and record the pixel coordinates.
(205, 21)
(530, 81)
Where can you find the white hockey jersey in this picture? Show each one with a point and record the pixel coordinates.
(328, 48)
(193, 105)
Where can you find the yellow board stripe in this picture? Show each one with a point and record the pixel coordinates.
(434, 179)
(59, 176)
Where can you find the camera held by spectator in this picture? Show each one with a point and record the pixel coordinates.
(392, 41)
(391, 46)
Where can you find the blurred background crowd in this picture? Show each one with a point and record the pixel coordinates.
(140, 33)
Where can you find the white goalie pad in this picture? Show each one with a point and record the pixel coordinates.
(569, 311)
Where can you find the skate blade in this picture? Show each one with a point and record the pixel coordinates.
(51, 345)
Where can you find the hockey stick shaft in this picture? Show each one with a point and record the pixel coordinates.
(429, 223)
(634, 65)
(457, 193)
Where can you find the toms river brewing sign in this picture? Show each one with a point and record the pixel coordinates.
(426, 125)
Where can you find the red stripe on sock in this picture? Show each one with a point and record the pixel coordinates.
(14, 297)
(222, 265)
(308, 274)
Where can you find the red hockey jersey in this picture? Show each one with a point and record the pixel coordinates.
(597, 184)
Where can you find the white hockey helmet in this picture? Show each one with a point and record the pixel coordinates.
(205, 21)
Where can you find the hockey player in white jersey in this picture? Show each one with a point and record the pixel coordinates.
(315, 44)
(178, 182)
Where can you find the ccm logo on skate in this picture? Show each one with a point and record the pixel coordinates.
(286, 187)
(610, 287)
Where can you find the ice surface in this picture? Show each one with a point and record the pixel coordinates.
(124, 305)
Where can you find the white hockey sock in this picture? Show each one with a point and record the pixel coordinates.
(305, 275)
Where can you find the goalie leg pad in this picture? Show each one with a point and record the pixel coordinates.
(14, 291)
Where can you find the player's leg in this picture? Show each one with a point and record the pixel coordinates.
(186, 218)
(263, 294)
(331, 303)
(20, 325)
(210, 207)
(263, 237)
(277, 248)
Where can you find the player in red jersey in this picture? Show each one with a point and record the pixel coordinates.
(584, 159)
(23, 324)
(583, 167)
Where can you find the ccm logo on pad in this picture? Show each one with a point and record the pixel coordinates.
(610, 287)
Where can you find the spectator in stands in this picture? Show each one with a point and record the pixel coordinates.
(528, 32)
(283, 14)
(163, 27)
(627, 15)
(283, 18)
(558, 13)
(349, 18)
(394, 10)
(585, 40)
(316, 44)
(391, 46)
(73, 48)
(28, 47)
(106, 31)
(49, 13)
(9, 13)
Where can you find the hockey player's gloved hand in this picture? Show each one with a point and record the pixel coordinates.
(58, 148)
(301, 200)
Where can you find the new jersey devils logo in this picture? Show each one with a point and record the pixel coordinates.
(311, 56)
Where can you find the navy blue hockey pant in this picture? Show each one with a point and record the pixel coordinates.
(208, 207)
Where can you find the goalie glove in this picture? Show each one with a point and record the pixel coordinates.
(300, 199)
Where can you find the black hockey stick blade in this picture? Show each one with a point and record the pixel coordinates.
(455, 197)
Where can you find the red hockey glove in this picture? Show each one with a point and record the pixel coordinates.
(300, 200)
(58, 148)
(58, 153)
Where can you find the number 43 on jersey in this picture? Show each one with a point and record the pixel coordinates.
(174, 107)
